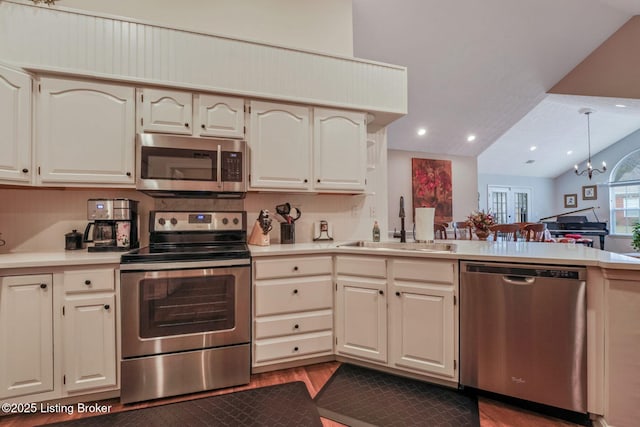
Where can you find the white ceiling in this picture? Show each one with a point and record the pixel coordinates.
(484, 67)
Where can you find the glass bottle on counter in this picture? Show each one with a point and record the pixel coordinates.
(376, 231)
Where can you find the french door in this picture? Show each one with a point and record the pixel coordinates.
(509, 204)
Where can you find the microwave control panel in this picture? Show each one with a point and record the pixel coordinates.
(231, 166)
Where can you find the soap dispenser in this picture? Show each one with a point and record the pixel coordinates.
(376, 231)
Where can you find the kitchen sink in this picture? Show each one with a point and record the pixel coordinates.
(409, 246)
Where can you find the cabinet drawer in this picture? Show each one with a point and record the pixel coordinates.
(361, 266)
(293, 347)
(424, 270)
(292, 267)
(291, 295)
(294, 324)
(89, 280)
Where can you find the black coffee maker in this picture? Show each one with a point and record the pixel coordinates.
(114, 226)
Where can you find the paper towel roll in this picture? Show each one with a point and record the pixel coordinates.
(424, 224)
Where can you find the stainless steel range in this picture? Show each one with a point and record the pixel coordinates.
(186, 302)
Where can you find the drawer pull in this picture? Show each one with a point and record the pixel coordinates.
(397, 293)
(295, 348)
(295, 268)
(295, 291)
(87, 282)
(381, 292)
(43, 286)
(296, 326)
(107, 306)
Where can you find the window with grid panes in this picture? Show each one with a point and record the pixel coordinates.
(624, 194)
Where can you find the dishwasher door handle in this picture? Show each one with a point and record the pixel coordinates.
(519, 280)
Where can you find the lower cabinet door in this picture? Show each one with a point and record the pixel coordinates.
(421, 329)
(361, 318)
(89, 331)
(26, 335)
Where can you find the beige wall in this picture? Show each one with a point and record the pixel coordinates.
(323, 26)
(465, 185)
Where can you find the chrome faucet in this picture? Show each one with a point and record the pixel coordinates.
(403, 232)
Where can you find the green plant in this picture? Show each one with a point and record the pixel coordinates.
(635, 237)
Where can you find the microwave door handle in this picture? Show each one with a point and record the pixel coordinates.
(219, 161)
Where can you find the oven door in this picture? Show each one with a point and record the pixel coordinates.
(165, 311)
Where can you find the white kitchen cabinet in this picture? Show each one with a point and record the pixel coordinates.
(164, 110)
(15, 127)
(89, 329)
(280, 146)
(220, 116)
(293, 309)
(339, 150)
(86, 133)
(422, 316)
(186, 113)
(361, 307)
(26, 335)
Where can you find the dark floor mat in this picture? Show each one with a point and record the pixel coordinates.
(279, 405)
(363, 397)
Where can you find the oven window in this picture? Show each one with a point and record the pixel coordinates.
(178, 164)
(186, 305)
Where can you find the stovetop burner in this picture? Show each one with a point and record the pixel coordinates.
(193, 236)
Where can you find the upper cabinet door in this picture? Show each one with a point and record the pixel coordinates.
(86, 133)
(279, 140)
(15, 126)
(340, 150)
(167, 111)
(221, 116)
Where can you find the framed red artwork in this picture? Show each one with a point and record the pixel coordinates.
(432, 187)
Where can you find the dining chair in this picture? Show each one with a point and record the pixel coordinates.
(440, 231)
(534, 232)
(505, 231)
(462, 230)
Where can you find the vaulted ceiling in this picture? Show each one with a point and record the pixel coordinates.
(484, 69)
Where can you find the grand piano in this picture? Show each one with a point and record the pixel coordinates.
(577, 224)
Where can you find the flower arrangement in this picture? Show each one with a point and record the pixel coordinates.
(635, 237)
(481, 220)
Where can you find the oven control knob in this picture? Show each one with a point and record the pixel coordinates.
(235, 221)
(225, 221)
(161, 221)
(174, 221)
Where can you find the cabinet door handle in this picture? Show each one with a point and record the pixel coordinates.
(203, 126)
(25, 170)
(381, 292)
(43, 286)
(128, 173)
(306, 180)
(186, 125)
(87, 282)
(295, 291)
(398, 294)
(318, 179)
(107, 306)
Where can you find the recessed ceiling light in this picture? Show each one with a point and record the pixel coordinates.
(422, 131)
(533, 148)
(621, 106)
(471, 138)
(570, 152)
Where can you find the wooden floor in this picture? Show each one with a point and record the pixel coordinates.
(492, 413)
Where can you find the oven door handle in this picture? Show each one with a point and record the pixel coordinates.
(156, 266)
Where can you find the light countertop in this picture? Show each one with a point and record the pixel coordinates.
(57, 258)
(533, 252)
(529, 252)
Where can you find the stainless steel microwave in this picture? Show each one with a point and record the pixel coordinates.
(171, 165)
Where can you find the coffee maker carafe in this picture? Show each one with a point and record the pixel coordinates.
(114, 226)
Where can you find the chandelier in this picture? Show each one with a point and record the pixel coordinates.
(589, 170)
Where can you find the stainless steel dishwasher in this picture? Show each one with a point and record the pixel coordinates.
(523, 332)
